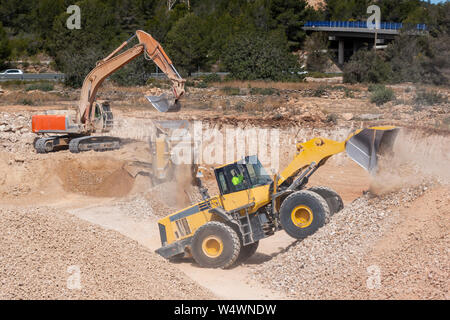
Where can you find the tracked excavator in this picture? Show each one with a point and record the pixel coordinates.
(96, 116)
(253, 205)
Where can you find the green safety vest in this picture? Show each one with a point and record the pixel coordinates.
(237, 179)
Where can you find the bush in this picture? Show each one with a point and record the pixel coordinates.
(428, 98)
(255, 55)
(381, 95)
(367, 66)
(264, 91)
(231, 91)
(316, 45)
(40, 86)
(27, 102)
(213, 77)
(332, 118)
(320, 91)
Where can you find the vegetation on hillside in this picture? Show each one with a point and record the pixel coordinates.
(221, 35)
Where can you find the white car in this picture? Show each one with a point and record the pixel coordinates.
(12, 71)
(15, 73)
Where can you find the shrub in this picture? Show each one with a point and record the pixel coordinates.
(367, 66)
(381, 95)
(332, 117)
(231, 91)
(27, 102)
(40, 86)
(213, 77)
(428, 97)
(316, 45)
(255, 55)
(264, 91)
(320, 91)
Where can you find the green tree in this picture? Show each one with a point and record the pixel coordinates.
(5, 49)
(186, 43)
(367, 66)
(346, 9)
(418, 58)
(76, 51)
(291, 15)
(254, 55)
(316, 45)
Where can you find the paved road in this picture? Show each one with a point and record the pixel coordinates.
(33, 76)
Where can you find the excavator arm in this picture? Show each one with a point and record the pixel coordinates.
(151, 50)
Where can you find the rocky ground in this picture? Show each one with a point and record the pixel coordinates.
(42, 250)
(338, 262)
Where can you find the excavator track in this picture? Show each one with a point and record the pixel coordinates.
(48, 144)
(97, 143)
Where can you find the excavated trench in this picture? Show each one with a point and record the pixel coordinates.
(96, 177)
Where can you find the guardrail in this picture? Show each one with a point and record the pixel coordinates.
(33, 76)
(361, 24)
(194, 74)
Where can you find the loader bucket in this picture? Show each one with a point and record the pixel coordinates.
(366, 146)
(164, 103)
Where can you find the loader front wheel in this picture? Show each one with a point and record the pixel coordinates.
(215, 245)
(302, 213)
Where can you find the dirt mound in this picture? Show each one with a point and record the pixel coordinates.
(315, 267)
(44, 252)
(98, 177)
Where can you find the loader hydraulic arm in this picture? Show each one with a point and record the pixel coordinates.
(151, 50)
(316, 151)
(363, 146)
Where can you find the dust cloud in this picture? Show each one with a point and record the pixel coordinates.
(418, 158)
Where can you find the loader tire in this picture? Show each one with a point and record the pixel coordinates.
(247, 251)
(215, 245)
(332, 198)
(302, 213)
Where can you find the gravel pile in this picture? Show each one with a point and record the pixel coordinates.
(42, 251)
(325, 265)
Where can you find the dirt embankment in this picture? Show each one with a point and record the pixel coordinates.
(372, 249)
(43, 249)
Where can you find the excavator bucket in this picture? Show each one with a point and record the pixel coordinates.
(367, 145)
(164, 103)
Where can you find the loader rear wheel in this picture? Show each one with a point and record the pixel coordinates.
(302, 213)
(332, 198)
(215, 245)
(247, 251)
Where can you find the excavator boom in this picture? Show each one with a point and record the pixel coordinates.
(152, 50)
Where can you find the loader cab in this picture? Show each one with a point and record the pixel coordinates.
(250, 173)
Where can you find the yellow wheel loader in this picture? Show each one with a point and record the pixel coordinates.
(252, 205)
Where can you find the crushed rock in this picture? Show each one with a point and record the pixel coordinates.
(41, 248)
(323, 265)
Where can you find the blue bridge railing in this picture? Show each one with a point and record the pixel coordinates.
(361, 24)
